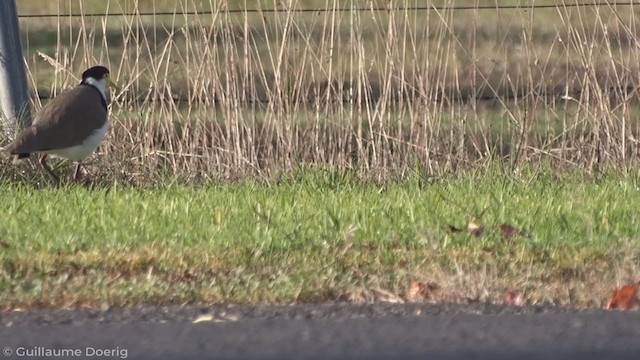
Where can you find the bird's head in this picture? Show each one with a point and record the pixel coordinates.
(98, 76)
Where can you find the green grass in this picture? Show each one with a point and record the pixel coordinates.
(314, 235)
(332, 235)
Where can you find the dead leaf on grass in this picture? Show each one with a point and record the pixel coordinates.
(508, 230)
(420, 291)
(625, 298)
(513, 298)
(475, 229)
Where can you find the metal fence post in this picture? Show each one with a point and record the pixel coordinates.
(14, 96)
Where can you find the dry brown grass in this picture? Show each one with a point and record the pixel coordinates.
(234, 94)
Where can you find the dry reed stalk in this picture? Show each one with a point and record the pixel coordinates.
(381, 92)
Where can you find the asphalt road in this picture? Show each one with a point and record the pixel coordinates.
(380, 331)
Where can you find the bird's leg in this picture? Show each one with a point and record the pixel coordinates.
(76, 172)
(43, 163)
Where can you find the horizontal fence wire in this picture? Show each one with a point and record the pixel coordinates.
(348, 9)
(360, 9)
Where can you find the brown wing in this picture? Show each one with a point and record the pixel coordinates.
(64, 122)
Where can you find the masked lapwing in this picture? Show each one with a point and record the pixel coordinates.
(71, 126)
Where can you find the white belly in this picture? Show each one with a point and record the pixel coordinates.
(82, 151)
